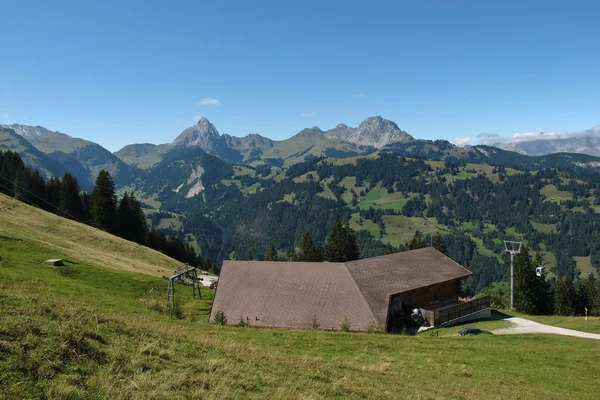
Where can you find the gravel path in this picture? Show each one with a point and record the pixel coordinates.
(521, 325)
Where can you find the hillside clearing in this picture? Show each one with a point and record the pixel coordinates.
(584, 264)
(553, 194)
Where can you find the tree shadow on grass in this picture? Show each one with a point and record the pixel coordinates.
(10, 239)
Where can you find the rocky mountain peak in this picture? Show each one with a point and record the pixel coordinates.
(373, 131)
(198, 135)
(378, 124)
(203, 122)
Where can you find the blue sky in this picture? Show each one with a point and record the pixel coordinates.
(129, 72)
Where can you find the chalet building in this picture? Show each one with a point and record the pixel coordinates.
(379, 292)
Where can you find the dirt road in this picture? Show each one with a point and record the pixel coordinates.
(521, 325)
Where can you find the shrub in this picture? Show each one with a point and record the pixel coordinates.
(346, 326)
(315, 322)
(177, 311)
(374, 329)
(242, 322)
(220, 318)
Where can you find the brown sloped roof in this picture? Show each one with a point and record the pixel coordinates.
(290, 294)
(380, 277)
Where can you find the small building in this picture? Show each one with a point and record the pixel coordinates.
(378, 292)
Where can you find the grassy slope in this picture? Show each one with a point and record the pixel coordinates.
(400, 229)
(296, 148)
(82, 332)
(77, 241)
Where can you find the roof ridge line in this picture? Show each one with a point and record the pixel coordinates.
(362, 295)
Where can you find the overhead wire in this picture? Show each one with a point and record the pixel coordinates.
(38, 197)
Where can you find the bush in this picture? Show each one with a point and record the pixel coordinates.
(374, 329)
(177, 310)
(242, 323)
(315, 322)
(220, 318)
(346, 326)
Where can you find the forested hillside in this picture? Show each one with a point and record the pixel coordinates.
(388, 198)
(407, 190)
(62, 196)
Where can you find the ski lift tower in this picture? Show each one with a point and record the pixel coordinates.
(183, 271)
(512, 248)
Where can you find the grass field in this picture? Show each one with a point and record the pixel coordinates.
(90, 330)
(461, 175)
(350, 160)
(400, 229)
(174, 223)
(584, 264)
(553, 194)
(544, 228)
(240, 170)
(379, 198)
(488, 325)
(366, 225)
(481, 249)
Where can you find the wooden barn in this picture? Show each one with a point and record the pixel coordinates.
(379, 292)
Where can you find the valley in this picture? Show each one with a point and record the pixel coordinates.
(230, 197)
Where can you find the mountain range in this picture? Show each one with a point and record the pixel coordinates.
(60, 152)
(55, 153)
(230, 197)
(539, 144)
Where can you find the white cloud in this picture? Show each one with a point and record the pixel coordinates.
(308, 114)
(461, 141)
(359, 96)
(530, 136)
(208, 101)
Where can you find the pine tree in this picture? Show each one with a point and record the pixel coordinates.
(53, 191)
(69, 199)
(340, 245)
(417, 242)
(85, 204)
(271, 254)
(586, 293)
(439, 244)
(563, 294)
(104, 202)
(138, 220)
(530, 293)
(389, 249)
(307, 251)
(351, 251)
(131, 221)
(538, 260)
(249, 256)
